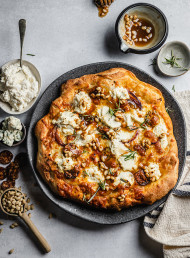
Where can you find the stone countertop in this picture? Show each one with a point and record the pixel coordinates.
(63, 35)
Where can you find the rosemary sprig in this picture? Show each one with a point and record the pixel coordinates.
(129, 156)
(102, 186)
(92, 197)
(113, 111)
(123, 180)
(154, 61)
(173, 62)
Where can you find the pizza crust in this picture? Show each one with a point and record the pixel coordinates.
(76, 189)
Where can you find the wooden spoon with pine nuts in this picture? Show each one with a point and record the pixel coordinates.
(12, 202)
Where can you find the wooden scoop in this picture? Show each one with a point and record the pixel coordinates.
(26, 219)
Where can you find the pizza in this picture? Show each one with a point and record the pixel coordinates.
(108, 142)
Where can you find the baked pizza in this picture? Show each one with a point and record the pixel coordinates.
(108, 141)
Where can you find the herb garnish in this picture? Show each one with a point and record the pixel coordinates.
(123, 180)
(132, 127)
(154, 61)
(30, 54)
(173, 88)
(101, 186)
(85, 173)
(104, 136)
(113, 111)
(168, 110)
(110, 172)
(173, 62)
(129, 156)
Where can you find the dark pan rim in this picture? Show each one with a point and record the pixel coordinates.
(56, 199)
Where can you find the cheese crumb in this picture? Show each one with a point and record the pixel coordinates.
(82, 102)
(153, 171)
(124, 178)
(107, 118)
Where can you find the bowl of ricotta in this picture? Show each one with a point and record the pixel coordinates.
(19, 87)
(12, 131)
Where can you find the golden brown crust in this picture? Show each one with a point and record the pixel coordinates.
(77, 188)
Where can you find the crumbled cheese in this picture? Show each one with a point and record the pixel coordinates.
(89, 136)
(164, 141)
(160, 128)
(119, 92)
(12, 123)
(128, 119)
(129, 164)
(94, 174)
(107, 118)
(67, 118)
(153, 171)
(11, 131)
(128, 179)
(19, 86)
(137, 115)
(65, 163)
(117, 147)
(82, 102)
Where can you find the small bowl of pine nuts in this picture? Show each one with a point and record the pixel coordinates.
(141, 28)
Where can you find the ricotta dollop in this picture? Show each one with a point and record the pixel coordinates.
(18, 86)
(82, 102)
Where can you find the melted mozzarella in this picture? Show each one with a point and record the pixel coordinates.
(119, 92)
(94, 174)
(129, 164)
(82, 102)
(153, 171)
(107, 118)
(67, 118)
(128, 179)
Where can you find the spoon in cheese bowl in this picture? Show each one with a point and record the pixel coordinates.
(12, 203)
(20, 82)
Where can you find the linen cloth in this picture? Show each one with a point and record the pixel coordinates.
(169, 224)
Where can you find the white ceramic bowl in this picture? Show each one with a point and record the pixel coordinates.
(5, 106)
(179, 50)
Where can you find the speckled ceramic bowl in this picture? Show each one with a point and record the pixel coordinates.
(179, 50)
(5, 106)
(151, 13)
(15, 143)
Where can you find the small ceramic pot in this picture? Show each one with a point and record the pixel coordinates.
(15, 143)
(155, 16)
(181, 52)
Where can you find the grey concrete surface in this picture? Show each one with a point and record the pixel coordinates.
(64, 34)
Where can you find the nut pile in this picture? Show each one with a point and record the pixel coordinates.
(11, 172)
(13, 202)
(139, 31)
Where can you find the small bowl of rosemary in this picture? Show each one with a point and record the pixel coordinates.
(174, 59)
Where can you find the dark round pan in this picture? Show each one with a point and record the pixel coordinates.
(87, 212)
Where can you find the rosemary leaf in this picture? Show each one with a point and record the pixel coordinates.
(30, 54)
(123, 180)
(129, 156)
(173, 88)
(102, 185)
(92, 197)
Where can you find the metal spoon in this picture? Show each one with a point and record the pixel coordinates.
(27, 220)
(22, 29)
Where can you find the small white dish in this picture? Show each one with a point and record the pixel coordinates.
(179, 50)
(5, 106)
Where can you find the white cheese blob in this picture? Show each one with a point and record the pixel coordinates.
(94, 174)
(138, 115)
(160, 128)
(12, 123)
(65, 163)
(124, 178)
(19, 86)
(67, 118)
(119, 92)
(107, 118)
(89, 136)
(82, 102)
(152, 171)
(128, 164)
(117, 147)
(164, 141)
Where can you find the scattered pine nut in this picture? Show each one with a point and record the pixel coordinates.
(11, 251)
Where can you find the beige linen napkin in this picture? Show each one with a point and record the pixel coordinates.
(169, 224)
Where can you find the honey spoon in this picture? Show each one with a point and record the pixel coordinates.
(12, 203)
